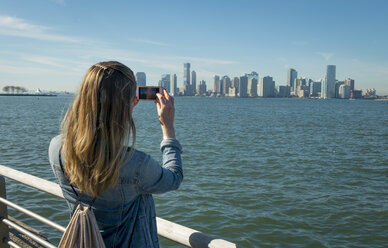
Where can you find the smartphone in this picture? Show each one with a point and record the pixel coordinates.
(148, 92)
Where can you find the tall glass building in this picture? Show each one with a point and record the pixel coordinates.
(235, 84)
(216, 84)
(243, 92)
(328, 83)
(315, 88)
(350, 82)
(193, 83)
(266, 87)
(173, 85)
(186, 74)
(140, 78)
(252, 87)
(344, 91)
(225, 85)
(291, 76)
(165, 81)
(202, 88)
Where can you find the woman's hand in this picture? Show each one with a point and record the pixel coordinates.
(166, 112)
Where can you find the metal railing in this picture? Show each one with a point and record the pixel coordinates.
(167, 229)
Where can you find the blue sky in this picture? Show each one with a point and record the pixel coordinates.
(50, 44)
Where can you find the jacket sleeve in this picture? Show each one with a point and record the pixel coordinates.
(154, 178)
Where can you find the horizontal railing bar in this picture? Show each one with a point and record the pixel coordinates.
(33, 215)
(190, 237)
(29, 234)
(13, 244)
(167, 229)
(32, 181)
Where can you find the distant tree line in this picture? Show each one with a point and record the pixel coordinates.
(14, 89)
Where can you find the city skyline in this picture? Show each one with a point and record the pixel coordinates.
(251, 85)
(51, 44)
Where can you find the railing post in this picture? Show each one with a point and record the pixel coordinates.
(4, 233)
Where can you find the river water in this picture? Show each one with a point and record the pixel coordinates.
(258, 172)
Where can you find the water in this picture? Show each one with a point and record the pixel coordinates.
(258, 172)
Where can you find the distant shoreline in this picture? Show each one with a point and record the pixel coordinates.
(20, 94)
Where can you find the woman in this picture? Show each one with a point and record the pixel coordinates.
(115, 179)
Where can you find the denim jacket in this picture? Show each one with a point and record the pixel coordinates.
(125, 213)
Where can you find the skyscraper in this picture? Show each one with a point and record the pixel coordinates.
(193, 82)
(300, 84)
(235, 84)
(202, 88)
(266, 87)
(350, 82)
(344, 91)
(252, 87)
(337, 88)
(315, 88)
(252, 80)
(165, 82)
(243, 91)
(186, 75)
(284, 91)
(328, 84)
(225, 85)
(173, 85)
(140, 78)
(291, 76)
(216, 84)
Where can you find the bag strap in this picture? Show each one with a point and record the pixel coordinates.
(72, 187)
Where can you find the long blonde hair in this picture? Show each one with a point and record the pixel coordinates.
(97, 127)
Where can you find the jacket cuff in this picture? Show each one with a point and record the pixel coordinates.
(170, 142)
